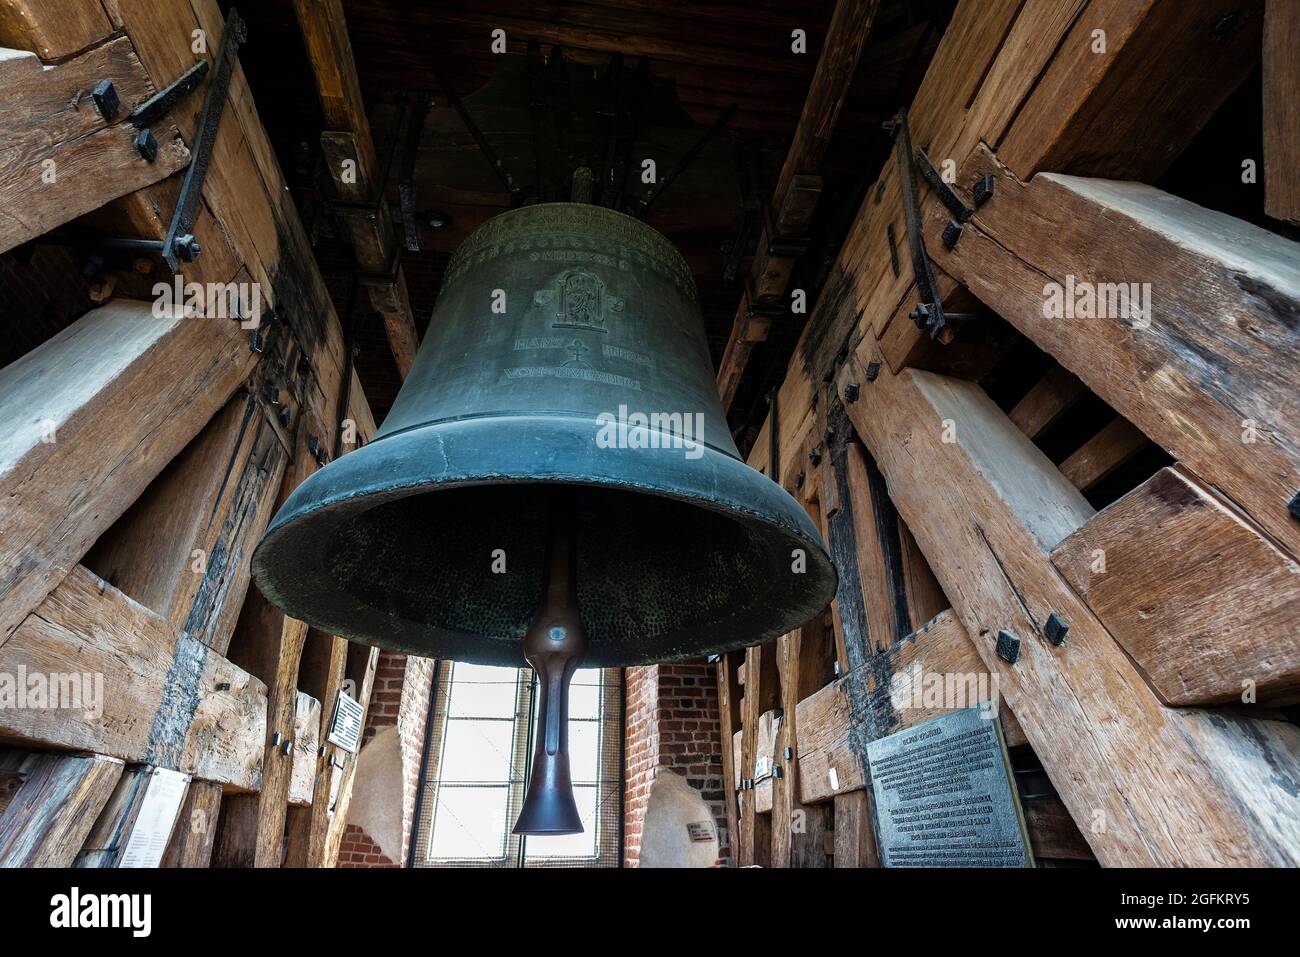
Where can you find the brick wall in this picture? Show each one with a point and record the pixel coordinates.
(672, 721)
(400, 698)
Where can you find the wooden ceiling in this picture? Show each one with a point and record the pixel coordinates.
(717, 52)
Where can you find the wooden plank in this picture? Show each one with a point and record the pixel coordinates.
(798, 830)
(1281, 119)
(729, 715)
(183, 548)
(107, 842)
(855, 837)
(1130, 111)
(1102, 454)
(63, 159)
(322, 673)
(361, 671)
(760, 697)
(935, 670)
(72, 463)
(49, 817)
(836, 66)
(148, 692)
(325, 33)
(1053, 833)
(1209, 378)
(1169, 786)
(306, 740)
(53, 29)
(1050, 398)
(196, 826)
(1203, 602)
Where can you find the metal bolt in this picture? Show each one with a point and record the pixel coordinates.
(284, 416)
(951, 233)
(799, 480)
(815, 456)
(223, 686)
(983, 190)
(255, 341)
(1294, 506)
(320, 752)
(187, 249)
(275, 739)
(873, 370)
(146, 145)
(106, 101)
(776, 771)
(789, 754)
(851, 392)
(1056, 629)
(271, 392)
(287, 746)
(1008, 647)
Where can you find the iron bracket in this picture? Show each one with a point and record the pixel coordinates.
(180, 245)
(947, 195)
(160, 104)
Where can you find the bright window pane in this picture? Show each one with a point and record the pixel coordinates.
(484, 696)
(584, 737)
(586, 676)
(584, 701)
(477, 750)
(469, 822)
(571, 845)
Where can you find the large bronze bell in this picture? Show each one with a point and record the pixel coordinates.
(557, 467)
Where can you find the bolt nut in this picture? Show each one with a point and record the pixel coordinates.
(1056, 629)
(1294, 506)
(106, 100)
(873, 370)
(1008, 647)
(983, 190)
(815, 456)
(146, 145)
(951, 233)
(799, 480)
(851, 392)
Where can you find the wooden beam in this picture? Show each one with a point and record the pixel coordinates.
(322, 672)
(306, 741)
(325, 32)
(798, 829)
(1281, 118)
(163, 697)
(53, 811)
(729, 715)
(362, 661)
(1102, 454)
(183, 548)
(1206, 372)
(107, 842)
(905, 686)
(1203, 602)
(196, 826)
(1049, 398)
(1169, 787)
(53, 29)
(72, 463)
(63, 158)
(760, 697)
(792, 207)
(855, 836)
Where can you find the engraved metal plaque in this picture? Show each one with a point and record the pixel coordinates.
(944, 796)
(345, 723)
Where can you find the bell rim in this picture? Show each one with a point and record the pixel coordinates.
(371, 476)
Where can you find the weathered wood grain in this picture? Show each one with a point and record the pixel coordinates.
(1281, 116)
(53, 29)
(1209, 373)
(1204, 603)
(306, 740)
(63, 159)
(72, 463)
(49, 817)
(1157, 778)
(167, 699)
(196, 827)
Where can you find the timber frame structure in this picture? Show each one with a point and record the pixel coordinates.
(1098, 508)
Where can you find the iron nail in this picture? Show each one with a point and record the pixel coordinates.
(851, 392)
(1008, 647)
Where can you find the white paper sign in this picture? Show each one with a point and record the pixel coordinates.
(153, 825)
(345, 723)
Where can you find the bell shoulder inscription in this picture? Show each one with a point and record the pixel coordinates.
(572, 233)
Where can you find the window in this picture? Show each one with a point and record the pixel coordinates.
(480, 750)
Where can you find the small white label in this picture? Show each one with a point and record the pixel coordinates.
(762, 767)
(835, 779)
(345, 723)
(153, 825)
(701, 832)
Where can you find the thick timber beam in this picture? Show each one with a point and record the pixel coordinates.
(54, 809)
(1158, 786)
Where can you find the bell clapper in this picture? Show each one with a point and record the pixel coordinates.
(554, 645)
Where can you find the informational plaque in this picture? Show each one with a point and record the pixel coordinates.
(345, 723)
(157, 816)
(944, 795)
(700, 832)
